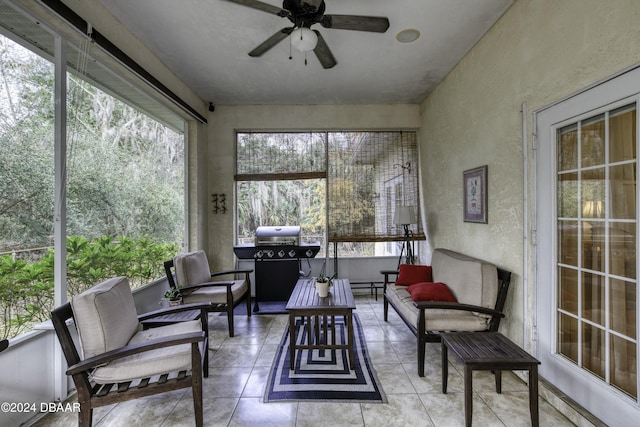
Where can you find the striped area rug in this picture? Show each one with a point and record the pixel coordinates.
(324, 375)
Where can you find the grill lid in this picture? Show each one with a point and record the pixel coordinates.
(278, 235)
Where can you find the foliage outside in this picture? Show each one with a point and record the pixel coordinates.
(124, 189)
(26, 287)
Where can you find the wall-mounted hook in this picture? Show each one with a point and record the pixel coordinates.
(406, 166)
(219, 203)
(223, 204)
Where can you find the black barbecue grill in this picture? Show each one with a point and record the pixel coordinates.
(277, 252)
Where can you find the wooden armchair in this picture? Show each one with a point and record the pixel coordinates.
(193, 279)
(117, 361)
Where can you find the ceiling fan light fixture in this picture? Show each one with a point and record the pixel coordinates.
(407, 36)
(304, 39)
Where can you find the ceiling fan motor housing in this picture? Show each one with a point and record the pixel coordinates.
(304, 13)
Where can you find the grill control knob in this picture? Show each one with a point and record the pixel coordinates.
(270, 254)
(292, 253)
(309, 253)
(259, 254)
(281, 254)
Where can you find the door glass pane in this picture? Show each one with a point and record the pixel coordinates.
(622, 249)
(568, 289)
(568, 242)
(593, 139)
(593, 349)
(568, 195)
(622, 179)
(568, 337)
(593, 241)
(592, 193)
(622, 134)
(623, 365)
(568, 148)
(623, 307)
(593, 297)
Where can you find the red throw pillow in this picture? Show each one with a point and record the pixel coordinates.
(431, 292)
(410, 274)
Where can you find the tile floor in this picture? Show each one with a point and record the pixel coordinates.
(240, 365)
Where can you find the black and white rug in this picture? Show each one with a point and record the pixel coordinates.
(324, 375)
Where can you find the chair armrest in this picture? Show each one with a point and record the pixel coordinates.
(425, 305)
(176, 309)
(386, 274)
(128, 350)
(221, 273)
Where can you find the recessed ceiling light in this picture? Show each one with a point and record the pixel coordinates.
(407, 36)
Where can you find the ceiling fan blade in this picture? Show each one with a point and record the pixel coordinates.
(353, 22)
(255, 4)
(323, 52)
(271, 42)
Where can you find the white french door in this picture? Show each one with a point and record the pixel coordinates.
(587, 245)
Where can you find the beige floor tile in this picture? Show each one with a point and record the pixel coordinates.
(311, 414)
(401, 411)
(251, 412)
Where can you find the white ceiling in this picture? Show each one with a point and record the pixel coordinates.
(206, 44)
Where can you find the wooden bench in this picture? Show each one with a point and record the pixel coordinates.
(480, 287)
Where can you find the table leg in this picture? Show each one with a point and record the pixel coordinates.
(350, 340)
(445, 367)
(468, 395)
(498, 375)
(533, 395)
(292, 341)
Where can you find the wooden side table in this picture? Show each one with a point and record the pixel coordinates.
(489, 351)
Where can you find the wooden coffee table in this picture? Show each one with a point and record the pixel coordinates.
(489, 351)
(318, 315)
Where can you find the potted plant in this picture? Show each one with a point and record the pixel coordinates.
(323, 283)
(173, 296)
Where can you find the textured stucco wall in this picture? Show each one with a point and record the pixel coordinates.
(539, 52)
(226, 120)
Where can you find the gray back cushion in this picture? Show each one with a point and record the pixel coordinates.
(105, 316)
(192, 268)
(473, 281)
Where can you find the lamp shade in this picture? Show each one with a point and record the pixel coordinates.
(304, 39)
(404, 215)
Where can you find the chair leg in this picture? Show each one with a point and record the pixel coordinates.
(85, 416)
(205, 363)
(196, 385)
(249, 303)
(230, 319)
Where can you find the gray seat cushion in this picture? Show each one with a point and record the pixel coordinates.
(150, 363)
(217, 294)
(435, 319)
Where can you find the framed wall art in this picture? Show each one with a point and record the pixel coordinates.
(475, 194)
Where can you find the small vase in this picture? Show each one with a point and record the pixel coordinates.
(323, 289)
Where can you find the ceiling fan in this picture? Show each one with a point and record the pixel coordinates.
(305, 13)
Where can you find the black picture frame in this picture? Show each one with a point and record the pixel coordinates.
(475, 194)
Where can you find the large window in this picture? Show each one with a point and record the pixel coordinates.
(287, 179)
(124, 181)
